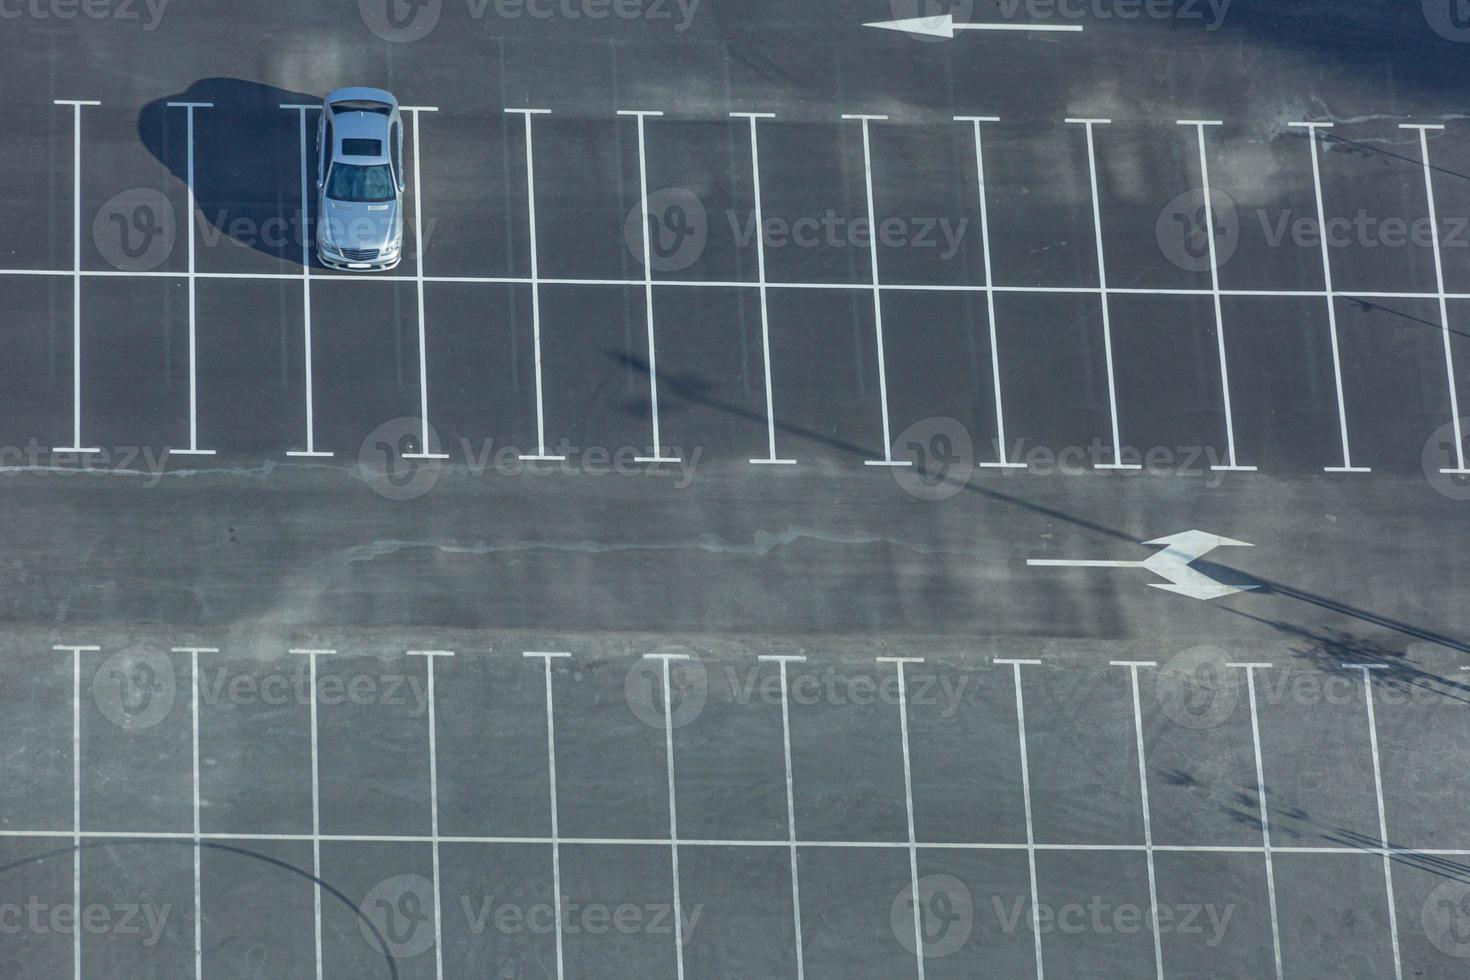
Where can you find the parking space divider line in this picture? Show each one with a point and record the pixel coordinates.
(311, 449)
(1263, 811)
(1026, 802)
(1347, 456)
(877, 288)
(1444, 313)
(76, 277)
(673, 805)
(555, 840)
(760, 258)
(76, 792)
(1232, 463)
(908, 796)
(193, 449)
(426, 447)
(316, 803)
(194, 653)
(658, 454)
(541, 453)
(1000, 415)
(1102, 291)
(429, 657)
(781, 661)
(1393, 921)
(1148, 830)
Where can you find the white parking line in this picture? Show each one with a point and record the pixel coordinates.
(1347, 456)
(541, 453)
(673, 806)
(193, 449)
(426, 447)
(908, 798)
(1444, 313)
(1263, 812)
(316, 805)
(76, 793)
(782, 661)
(1102, 290)
(555, 840)
(760, 256)
(194, 653)
(658, 455)
(1231, 463)
(1016, 666)
(1000, 414)
(887, 459)
(429, 657)
(1393, 921)
(1148, 828)
(76, 278)
(311, 449)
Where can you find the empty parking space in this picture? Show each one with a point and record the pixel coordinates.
(1097, 914)
(1215, 916)
(1316, 725)
(260, 899)
(1337, 916)
(353, 689)
(1084, 782)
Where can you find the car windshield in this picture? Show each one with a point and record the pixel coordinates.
(351, 182)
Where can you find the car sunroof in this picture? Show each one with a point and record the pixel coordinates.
(362, 148)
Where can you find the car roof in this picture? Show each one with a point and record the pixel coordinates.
(363, 126)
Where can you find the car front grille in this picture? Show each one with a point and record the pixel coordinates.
(359, 254)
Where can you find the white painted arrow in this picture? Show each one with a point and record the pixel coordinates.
(1179, 552)
(943, 25)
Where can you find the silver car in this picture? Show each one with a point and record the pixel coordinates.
(360, 180)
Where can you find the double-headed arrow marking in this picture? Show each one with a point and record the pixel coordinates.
(943, 25)
(1172, 563)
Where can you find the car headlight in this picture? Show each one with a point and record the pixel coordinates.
(392, 248)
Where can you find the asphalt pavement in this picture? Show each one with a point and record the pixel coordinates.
(976, 496)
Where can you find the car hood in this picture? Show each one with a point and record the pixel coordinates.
(359, 225)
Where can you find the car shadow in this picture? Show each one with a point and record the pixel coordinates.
(247, 162)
